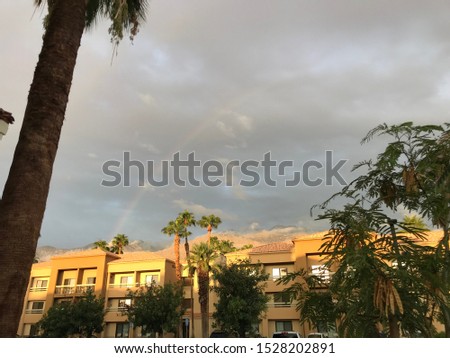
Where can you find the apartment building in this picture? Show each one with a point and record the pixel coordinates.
(67, 277)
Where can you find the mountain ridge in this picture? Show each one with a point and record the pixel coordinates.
(255, 238)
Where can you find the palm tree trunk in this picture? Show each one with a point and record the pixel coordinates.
(25, 195)
(209, 235)
(394, 331)
(203, 292)
(176, 249)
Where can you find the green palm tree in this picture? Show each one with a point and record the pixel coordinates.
(186, 219)
(174, 228)
(209, 222)
(118, 243)
(101, 244)
(200, 261)
(24, 198)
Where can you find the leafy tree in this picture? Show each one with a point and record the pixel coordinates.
(156, 309)
(241, 298)
(419, 157)
(313, 300)
(412, 172)
(209, 222)
(176, 229)
(82, 318)
(202, 257)
(379, 277)
(24, 197)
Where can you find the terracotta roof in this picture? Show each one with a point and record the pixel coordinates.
(272, 247)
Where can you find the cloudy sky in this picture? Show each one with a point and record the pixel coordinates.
(226, 80)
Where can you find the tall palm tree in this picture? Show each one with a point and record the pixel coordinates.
(118, 243)
(26, 189)
(174, 228)
(209, 222)
(186, 219)
(201, 258)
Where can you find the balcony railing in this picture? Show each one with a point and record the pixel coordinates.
(130, 285)
(280, 304)
(71, 290)
(117, 309)
(84, 288)
(65, 290)
(121, 285)
(38, 289)
(34, 311)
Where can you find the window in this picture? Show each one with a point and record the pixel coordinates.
(35, 307)
(67, 288)
(281, 299)
(187, 303)
(321, 271)
(151, 278)
(124, 303)
(39, 284)
(34, 330)
(278, 272)
(187, 281)
(69, 282)
(91, 280)
(122, 330)
(126, 281)
(283, 326)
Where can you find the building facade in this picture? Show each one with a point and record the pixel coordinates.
(66, 277)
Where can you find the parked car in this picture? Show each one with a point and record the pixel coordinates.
(286, 334)
(317, 335)
(221, 334)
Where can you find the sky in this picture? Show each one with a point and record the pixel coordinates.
(227, 81)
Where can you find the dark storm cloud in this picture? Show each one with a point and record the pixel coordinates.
(228, 80)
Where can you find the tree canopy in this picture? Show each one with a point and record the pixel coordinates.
(382, 277)
(241, 298)
(156, 309)
(82, 318)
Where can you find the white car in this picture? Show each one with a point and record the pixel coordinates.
(286, 334)
(316, 335)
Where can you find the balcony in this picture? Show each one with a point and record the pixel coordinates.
(280, 305)
(65, 290)
(34, 311)
(83, 289)
(117, 309)
(38, 289)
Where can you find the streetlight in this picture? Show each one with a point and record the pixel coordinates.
(5, 120)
